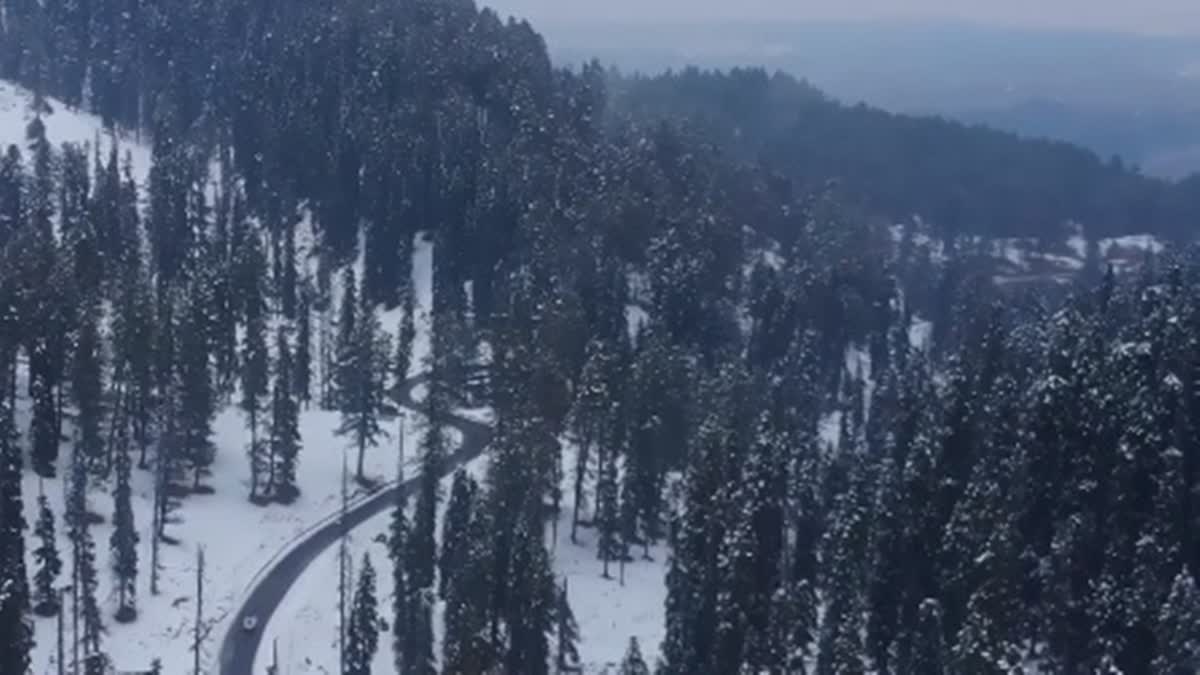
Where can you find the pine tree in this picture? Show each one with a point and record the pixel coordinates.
(302, 379)
(397, 551)
(196, 399)
(345, 346)
(930, 654)
(1178, 630)
(418, 642)
(285, 425)
(49, 563)
(16, 632)
(85, 576)
(530, 616)
(591, 420)
(840, 644)
(363, 632)
(608, 512)
(423, 554)
(87, 387)
(466, 645)
(363, 369)
(124, 541)
(43, 426)
(633, 663)
(255, 362)
(405, 336)
(455, 524)
(566, 632)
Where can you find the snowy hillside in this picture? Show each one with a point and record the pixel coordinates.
(241, 541)
(63, 125)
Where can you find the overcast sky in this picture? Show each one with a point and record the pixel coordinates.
(1142, 16)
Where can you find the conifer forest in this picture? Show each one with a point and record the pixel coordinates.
(707, 332)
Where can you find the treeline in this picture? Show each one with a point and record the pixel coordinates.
(962, 179)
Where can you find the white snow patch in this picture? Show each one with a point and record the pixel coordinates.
(64, 125)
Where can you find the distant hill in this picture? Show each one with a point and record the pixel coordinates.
(1131, 95)
(963, 179)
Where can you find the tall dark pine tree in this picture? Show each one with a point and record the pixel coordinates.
(124, 541)
(418, 637)
(433, 457)
(43, 426)
(405, 336)
(196, 394)
(1178, 627)
(930, 654)
(397, 552)
(363, 369)
(455, 524)
(255, 361)
(87, 384)
(343, 351)
(285, 425)
(302, 378)
(591, 420)
(85, 579)
(608, 512)
(48, 561)
(363, 633)
(16, 632)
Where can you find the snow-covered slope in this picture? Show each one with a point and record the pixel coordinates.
(240, 540)
(63, 125)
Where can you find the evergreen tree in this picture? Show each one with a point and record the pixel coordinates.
(16, 632)
(1178, 630)
(363, 632)
(455, 526)
(840, 644)
(87, 386)
(418, 638)
(405, 336)
(49, 563)
(364, 370)
(285, 425)
(423, 552)
(124, 541)
(608, 512)
(196, 399)
(591, 420)
(255, 363)
(43, 426)
(85, 578)
(345, 346)
(302, 379)
(930, 654)
(397, 551)
(633, 663)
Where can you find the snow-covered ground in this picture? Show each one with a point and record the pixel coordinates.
(609, 612)
(63, 125)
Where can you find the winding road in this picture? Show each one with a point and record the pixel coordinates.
(239, 648)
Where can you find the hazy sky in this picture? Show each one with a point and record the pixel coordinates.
(1143, 16)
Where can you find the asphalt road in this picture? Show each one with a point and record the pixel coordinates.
(240, 647)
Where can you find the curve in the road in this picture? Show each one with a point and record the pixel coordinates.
(239, 648)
